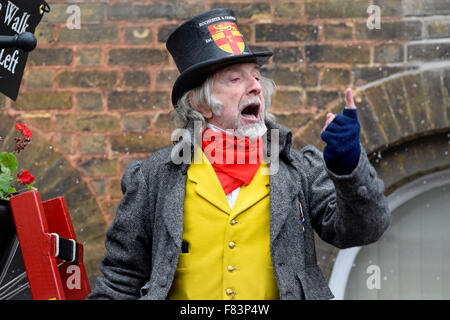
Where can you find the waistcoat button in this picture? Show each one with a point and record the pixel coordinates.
(230, 293)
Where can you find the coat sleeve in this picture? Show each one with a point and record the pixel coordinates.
(126, 265)
(345, 210)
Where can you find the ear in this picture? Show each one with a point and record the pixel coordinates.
(207, 114)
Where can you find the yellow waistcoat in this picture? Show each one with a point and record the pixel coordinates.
(229, 251)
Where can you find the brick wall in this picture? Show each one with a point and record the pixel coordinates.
(100, 96)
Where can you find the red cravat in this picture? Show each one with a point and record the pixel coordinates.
(243, 157)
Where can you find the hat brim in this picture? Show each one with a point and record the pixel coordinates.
(197, 74)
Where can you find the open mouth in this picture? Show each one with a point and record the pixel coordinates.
(251, 112)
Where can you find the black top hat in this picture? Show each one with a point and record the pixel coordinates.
(205, 44)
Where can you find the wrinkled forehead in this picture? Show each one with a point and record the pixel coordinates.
(238, 67)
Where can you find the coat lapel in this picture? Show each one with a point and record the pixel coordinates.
(251, 194)
(173, 208)
(207, 184)
(280, 198)
(281, 191)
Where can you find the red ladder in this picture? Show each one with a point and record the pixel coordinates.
(39, 227)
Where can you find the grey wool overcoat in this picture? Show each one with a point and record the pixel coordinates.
(144, 240)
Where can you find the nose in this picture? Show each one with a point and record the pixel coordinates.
(253, 86)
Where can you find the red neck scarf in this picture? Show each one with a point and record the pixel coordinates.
(234, 160)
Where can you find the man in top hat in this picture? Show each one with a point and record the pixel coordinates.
(229, 211)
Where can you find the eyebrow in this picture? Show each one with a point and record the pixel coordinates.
(234, 68)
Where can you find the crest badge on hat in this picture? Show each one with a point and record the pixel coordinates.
(227, 37)
(205, 44)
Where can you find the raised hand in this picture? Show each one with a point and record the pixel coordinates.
(350, 104)
(341, 133)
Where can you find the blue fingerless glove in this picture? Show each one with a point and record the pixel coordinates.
(342, 151)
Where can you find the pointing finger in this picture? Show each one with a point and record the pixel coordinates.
(350, 102)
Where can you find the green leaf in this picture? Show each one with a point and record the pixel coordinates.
(30, 186)
(4, 170)
(9, 161)
(12, 190)
(5, 181)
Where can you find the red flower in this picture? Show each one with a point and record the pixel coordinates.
(27, 133)
(21, 127)
(25, 177)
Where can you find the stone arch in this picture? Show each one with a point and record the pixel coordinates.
(405, 129)
(405, 112)
(56, 177)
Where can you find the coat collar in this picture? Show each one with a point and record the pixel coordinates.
(187, 142)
